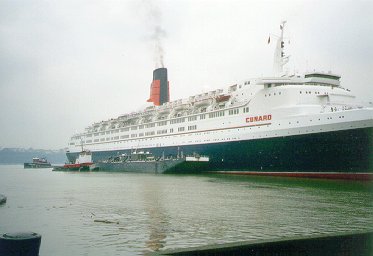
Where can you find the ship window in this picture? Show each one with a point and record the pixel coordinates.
(279, 93)
(192, 127)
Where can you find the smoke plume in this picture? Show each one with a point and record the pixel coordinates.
(157, 33)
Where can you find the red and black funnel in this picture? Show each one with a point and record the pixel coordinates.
(159, 89)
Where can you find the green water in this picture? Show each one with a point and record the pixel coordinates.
(154, 212)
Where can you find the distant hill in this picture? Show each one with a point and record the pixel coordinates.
(21, 155)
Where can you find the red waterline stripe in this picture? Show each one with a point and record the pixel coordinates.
(316, 175)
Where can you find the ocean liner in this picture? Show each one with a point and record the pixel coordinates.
(286, 123)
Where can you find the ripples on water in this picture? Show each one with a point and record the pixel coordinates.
(127, 214)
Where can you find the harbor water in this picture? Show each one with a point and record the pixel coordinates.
(135, 214)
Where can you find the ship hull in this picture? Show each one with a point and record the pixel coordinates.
(337, 151)
(36, 165)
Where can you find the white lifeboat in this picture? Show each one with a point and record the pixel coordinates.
(203, 102)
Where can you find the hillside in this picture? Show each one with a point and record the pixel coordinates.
(21, 155)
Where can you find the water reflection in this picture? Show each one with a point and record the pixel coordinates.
(157, 219)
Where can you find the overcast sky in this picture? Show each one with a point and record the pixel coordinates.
(67, 64)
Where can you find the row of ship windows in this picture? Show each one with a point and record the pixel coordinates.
(142, 134)
(279, 93)
(308, 92)
(193, 127)
(235, 111)
(274, 94)
(180, 129)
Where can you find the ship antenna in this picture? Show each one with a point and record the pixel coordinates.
(280, 59)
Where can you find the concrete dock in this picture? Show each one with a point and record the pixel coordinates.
(347, 244)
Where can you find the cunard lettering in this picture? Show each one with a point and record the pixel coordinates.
(253, 119)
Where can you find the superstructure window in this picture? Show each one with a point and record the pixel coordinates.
(246, 110)
(162, 123)
(192, 127)
(149, 133)
(149, 125)
(177, 120)
(162, 131)
(216, 114)
(234, 111)
(192, 118)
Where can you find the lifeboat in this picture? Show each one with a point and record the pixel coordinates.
(202, 102)
(222, 98)
(164, 110)
(181, 107)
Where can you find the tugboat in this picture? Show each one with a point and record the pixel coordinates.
(37, 163)
(144, 161)
(82, 163)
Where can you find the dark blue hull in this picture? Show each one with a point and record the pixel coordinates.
(338, 151)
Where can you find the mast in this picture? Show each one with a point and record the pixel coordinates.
(280, 59)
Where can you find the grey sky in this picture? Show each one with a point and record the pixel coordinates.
(67, 64)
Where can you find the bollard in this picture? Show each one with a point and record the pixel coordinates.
(2, 199)
(20, 244)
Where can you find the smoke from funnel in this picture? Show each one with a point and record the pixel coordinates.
(157, 33)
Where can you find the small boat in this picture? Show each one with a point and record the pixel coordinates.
(37, 163)
(82, 163)
(144, 161)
